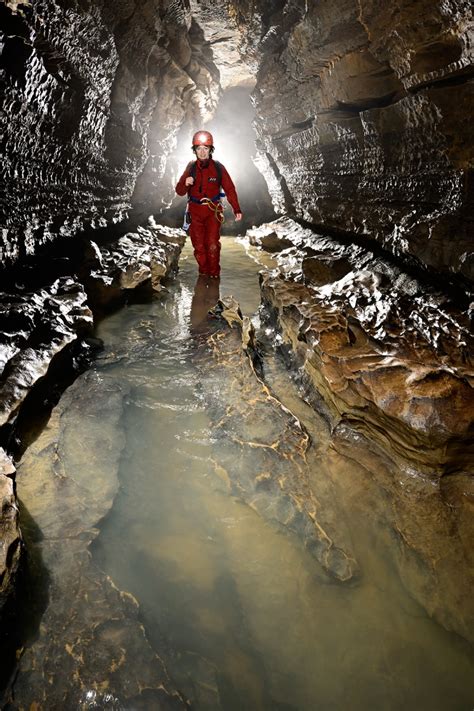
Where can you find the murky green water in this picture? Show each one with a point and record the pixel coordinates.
(245, 617)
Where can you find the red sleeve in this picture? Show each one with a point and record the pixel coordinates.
(229, 189)
(181, 188)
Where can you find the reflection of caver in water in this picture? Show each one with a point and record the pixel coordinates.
(202, 181)
(205, 297)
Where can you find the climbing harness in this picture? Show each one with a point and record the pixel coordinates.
(214, 203)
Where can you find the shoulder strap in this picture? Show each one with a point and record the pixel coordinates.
(192, 168)
(219, 171)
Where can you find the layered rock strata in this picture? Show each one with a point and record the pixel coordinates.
(93, 98)
(387, 361)
(363, 120)
(382, 347)
(362, 114)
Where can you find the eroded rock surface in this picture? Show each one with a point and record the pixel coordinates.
(363, 120)
(383, 348)
(387, 361)
(91, 649)
(362, 114)
(136, 261)
(38, 326)
(10, 536)
(93, 99)
(262, 447)
(34, 327)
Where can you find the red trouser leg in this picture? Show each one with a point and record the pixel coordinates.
(197, 232)
(205, 237)
(213, 245)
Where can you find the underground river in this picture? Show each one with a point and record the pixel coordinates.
(245, 616)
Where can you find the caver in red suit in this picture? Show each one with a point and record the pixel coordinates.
(202, 182)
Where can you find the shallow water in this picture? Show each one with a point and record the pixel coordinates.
(245, 616)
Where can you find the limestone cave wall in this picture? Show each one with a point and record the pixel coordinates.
(364, 120)
(363, 113)
(94, 94)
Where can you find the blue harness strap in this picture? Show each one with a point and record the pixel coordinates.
(216, 198)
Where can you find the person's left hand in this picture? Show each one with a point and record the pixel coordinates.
(238, 216)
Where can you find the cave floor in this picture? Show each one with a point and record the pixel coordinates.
(243, 613)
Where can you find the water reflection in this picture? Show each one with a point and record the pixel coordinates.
(206, 295)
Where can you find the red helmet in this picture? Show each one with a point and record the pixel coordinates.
(203, 138)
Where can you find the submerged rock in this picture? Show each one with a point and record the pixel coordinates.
(263, 446)
(91, 649)
(37, 326)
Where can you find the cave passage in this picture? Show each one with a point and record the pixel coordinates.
(234, 140)
(243, 615)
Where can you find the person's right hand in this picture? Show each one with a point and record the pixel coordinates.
(189, 181)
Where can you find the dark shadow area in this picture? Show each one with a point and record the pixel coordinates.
(457, 287)
(19, 433)
(234, 140)
(21, 616)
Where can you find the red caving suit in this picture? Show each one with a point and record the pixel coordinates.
(205, 227)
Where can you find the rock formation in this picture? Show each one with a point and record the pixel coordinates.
(262, 455)
(387, 360)
(10, 536)
(91, 649)
(363, 114)
(94, 96)
(363, 121)
(364, 132)
(46, 329)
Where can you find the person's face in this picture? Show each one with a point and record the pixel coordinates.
(203, 152)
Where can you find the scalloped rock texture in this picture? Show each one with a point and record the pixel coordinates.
(363, 113)
(94, 95)
(388, 362)
(364, 120)
(364, 123)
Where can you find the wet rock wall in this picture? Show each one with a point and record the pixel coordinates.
(363, 120)
(93, 95)
(385, 350)
(386, 360)
(363, 114)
